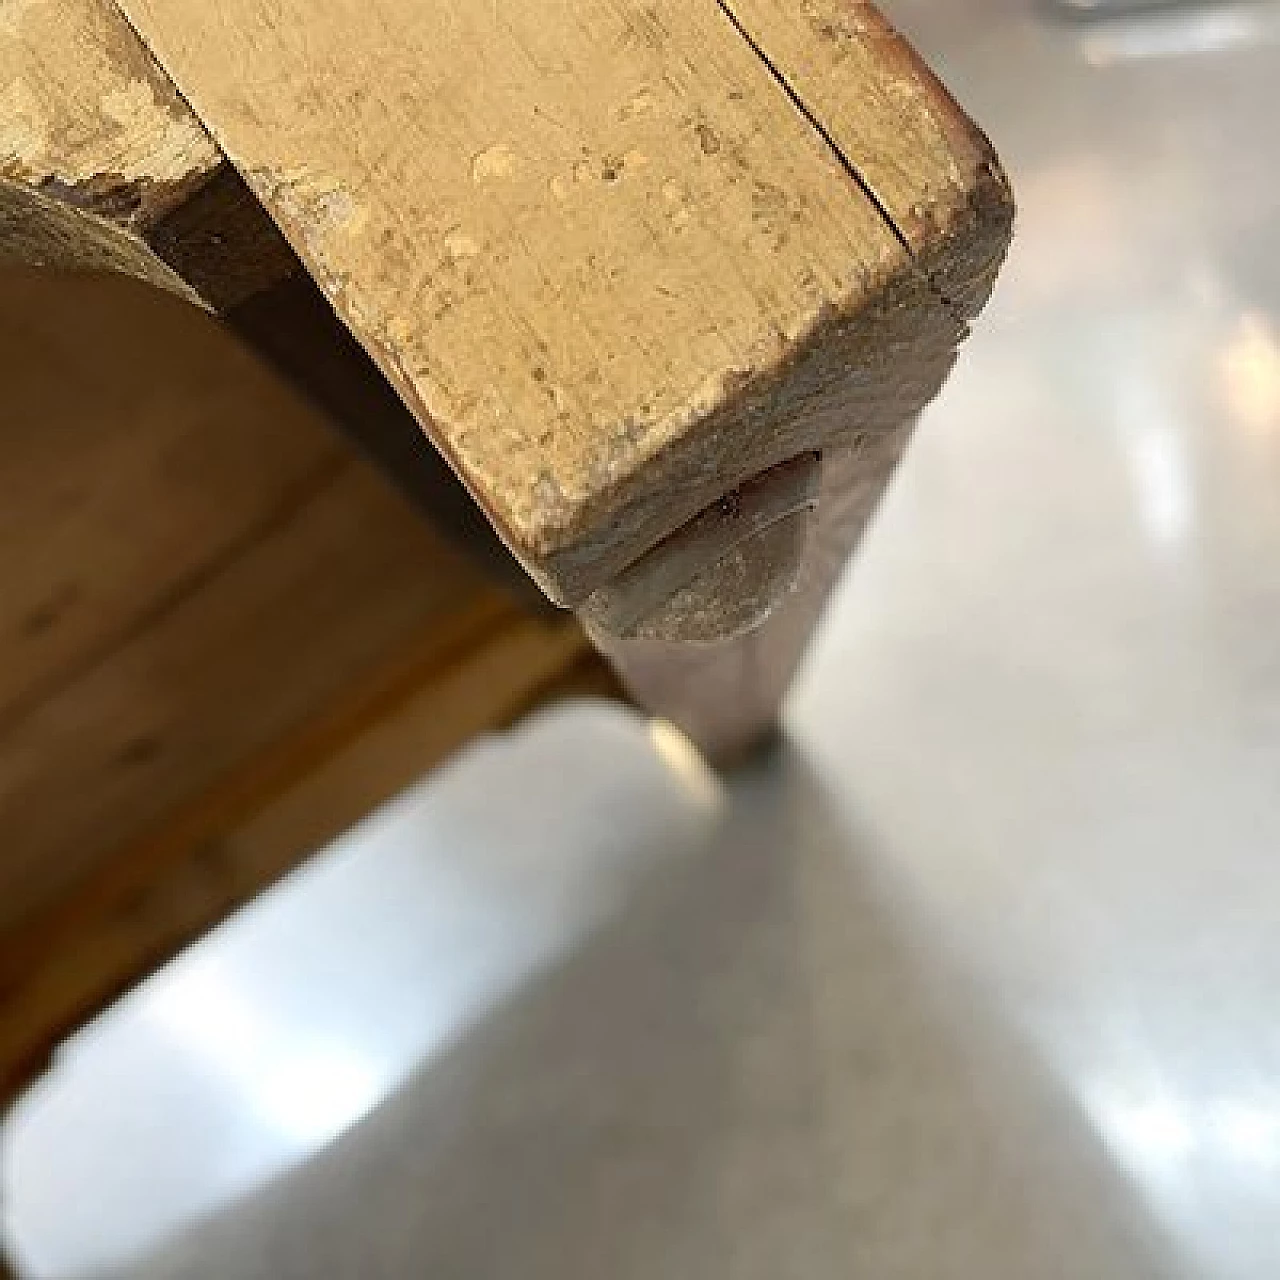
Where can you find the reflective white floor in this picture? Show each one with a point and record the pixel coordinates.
(979, 980)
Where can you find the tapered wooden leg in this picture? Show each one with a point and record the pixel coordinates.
(726, 695)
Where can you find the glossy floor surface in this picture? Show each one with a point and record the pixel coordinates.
(979, 980)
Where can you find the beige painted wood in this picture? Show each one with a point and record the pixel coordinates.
(622, 260)
(597, 247)
(94, 140)
(475, 673)
(931, 171)
(84, 111)
(865, 86)
(102, 166)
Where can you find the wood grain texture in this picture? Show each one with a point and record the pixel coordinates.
(475, 673)
(595, 245)
(502, 671)
(223, 640)
(868, 91)
(94, 142)
(141, 450)
(191, 562)
(930, 171)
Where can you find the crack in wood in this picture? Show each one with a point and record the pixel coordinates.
(842, 158)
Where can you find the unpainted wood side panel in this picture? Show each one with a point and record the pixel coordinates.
(475, 673)
(324, 598)
(499, 675)
(141, 448)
